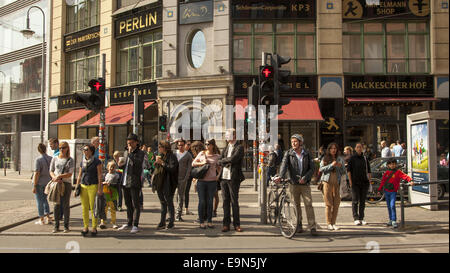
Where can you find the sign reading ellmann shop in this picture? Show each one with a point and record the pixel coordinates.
(138, 22)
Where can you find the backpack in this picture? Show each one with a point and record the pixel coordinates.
(388, 185)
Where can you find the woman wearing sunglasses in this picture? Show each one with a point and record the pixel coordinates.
(90, 177)
(207, 186)
(61, 170)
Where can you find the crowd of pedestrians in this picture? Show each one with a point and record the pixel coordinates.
(105, 187)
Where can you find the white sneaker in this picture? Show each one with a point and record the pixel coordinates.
(134, 230)
(39, 222)
(336, 227)
(115, 226)
(364, 223)
(357, 222)
(394, 224)
(330, 227)
(124, 227)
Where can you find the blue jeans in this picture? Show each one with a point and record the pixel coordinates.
(41, 200)
(206, 191)
(390, 200)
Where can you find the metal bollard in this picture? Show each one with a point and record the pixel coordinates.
(402, 206)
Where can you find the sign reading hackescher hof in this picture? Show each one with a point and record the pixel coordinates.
(82, 39)
(138, 22)
(421, 86)
(196, 12)
(269, 10)
(393, 9)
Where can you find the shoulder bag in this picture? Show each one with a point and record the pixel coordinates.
(200, 171)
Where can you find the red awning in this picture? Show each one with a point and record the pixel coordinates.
(115, 115)
(391, 99)
(306, 109)
(71, 117)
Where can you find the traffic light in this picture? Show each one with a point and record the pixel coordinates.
(281, 77)
(266, 85)
(94, 101)
(163, 123)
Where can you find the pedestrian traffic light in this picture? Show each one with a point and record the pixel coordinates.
(281, 77)
(95, 100)
(163, 123)
(266, 73)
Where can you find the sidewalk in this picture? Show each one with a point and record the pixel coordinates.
(418, 220)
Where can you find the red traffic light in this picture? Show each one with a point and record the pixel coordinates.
(267, 72)
(97, 84)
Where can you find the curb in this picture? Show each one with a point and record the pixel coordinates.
(2, 229)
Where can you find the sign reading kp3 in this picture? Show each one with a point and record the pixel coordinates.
(395, 9)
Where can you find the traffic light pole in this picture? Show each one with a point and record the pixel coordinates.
(101, 131)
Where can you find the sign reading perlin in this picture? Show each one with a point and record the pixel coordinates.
(269, 10)
(393, 9)
(197, 12)
(138, 22)
(80, 39)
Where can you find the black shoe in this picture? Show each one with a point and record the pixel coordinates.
(170, 225)
(299, 228)
(179, 219)
(102, 226)
(161, 226)
(94, 233)
(314, 232)
(84, 232)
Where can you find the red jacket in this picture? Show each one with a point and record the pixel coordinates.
(395, 179)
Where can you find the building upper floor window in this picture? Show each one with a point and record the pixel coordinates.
(386, 48)
(11, 25)
(296, 40)
(139, 58)
(82, 14)
(21, 79)
(82, 66)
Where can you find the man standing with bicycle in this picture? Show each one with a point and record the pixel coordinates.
(299, 163)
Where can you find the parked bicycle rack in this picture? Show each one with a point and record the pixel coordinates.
(403, 205)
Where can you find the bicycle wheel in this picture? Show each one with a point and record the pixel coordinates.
(287, 217)
(272, 208)
(373, 195)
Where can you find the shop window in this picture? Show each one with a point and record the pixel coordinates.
(294, 40)
(82, 66)
(387, 48)
(82, 14)
(140, 58)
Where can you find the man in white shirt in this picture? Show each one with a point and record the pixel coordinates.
(385, 151)
(398, 149)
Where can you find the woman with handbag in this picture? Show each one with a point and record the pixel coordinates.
(61, 170)
(90, 180)
(165, 182)
(332, 167)
(40, 180)
(207, 185)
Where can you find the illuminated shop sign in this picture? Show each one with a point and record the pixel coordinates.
(138, 22)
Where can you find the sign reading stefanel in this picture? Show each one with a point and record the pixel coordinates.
(126, 94)
(68, 102)
(299, 85)
(138, 22)
(281, 9)
(80, 39)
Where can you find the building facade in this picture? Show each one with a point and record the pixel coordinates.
(20, 81)
(358, 67)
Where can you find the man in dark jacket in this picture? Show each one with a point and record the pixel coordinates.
(231, 177)
(168, 161)
(358, 170)
(132, 182)
(298, 162)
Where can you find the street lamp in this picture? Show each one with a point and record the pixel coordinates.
(28, 33)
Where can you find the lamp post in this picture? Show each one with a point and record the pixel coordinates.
(28, 33)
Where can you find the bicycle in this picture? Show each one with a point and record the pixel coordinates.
(282, 208)
(373, 194)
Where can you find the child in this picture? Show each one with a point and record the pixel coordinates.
(111, 194)
(390, 183)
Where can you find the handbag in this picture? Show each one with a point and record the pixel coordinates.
(200, 171)
(320, 186)
(77, 190)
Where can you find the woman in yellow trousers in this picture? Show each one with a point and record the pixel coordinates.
(90, 178)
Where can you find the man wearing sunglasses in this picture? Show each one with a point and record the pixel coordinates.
(184, 171)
